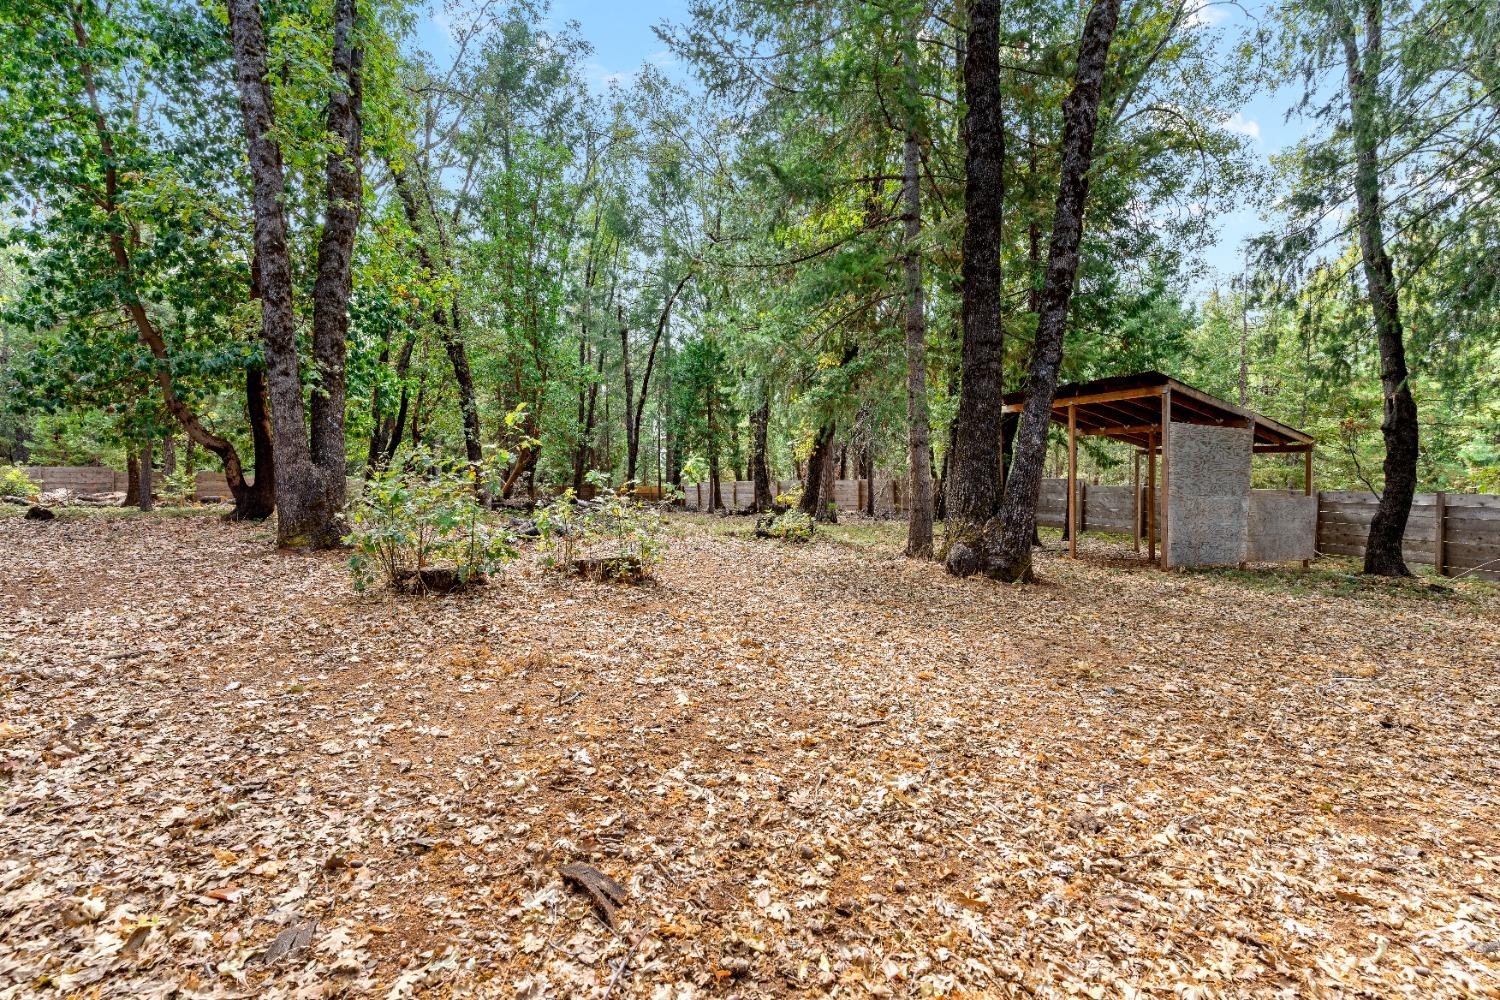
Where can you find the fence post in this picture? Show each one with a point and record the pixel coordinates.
(1440, 535)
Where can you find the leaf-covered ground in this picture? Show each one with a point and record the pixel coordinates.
(817, 771)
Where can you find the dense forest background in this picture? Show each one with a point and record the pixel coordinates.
(663, 281)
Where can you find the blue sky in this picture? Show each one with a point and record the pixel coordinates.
(621, 35)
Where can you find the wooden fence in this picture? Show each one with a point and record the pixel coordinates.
(849, 494)
(99, 479)
(1456, 533)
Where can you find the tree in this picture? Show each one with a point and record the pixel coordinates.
(919, 450)
(1413, 105)
(135, 210)
(309, 442)
(972, 484)
(1006, 553)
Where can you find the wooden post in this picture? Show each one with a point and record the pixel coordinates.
(1251, 425)
(1440, 535)
(1135, 491)
(1166, 495)
(1072, 482)
(1151, 493)
(1307, 490)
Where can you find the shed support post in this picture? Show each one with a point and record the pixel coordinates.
(1251, 425)
(1072, 482)
(1307, 490)
(1166, 471)
(1135, 491)
(1151, 493)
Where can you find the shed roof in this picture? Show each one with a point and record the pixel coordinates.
(1128, 408)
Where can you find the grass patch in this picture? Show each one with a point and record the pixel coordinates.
(1335, 576)
(120, 513)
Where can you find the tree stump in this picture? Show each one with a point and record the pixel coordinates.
(435, 580)
(618, 569)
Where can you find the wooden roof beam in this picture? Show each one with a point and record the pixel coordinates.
(1098, 397)
(1274, 425)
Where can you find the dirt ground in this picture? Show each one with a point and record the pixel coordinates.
(816, 771)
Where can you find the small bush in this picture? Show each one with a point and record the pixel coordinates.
(789, 526)
(612, 536)
(423, 531)
(16, 483)
(788, 500)
(181, 487)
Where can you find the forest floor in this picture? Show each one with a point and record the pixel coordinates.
(817, 770)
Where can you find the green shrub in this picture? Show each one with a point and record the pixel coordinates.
(423, 531)
(790, 526)
(16, 483)
(181, 487)
(791, 498)
(610, 536)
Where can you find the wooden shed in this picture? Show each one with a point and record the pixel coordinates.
(1199, 448)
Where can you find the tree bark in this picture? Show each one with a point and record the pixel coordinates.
(715, 500)
(869, 472)
(309, 469)
(132, 479)
(333, 285)
(812, 488)
(972, 487)
(918, 430)
(146, 500)
(828, 490)
(760, 471)
(1006, 546)
(258, 500)
(1399, 424)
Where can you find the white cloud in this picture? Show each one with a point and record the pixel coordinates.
(1244, 126)
(1205, 14)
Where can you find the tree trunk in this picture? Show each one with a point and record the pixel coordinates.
(146, 330)
(812, 488)
(631, 429)
(389, 428)
(132, 479)
(972, 486)
(448, 323)
(1006, 548)
(828, 494)
(146, 500)
(309, 472)
(638, 415)
(918, 430)
(168, 455)
(333, 285)
(869, 469)
(258, 499)
(760, 471)
(1399, 424)
(715, 501)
